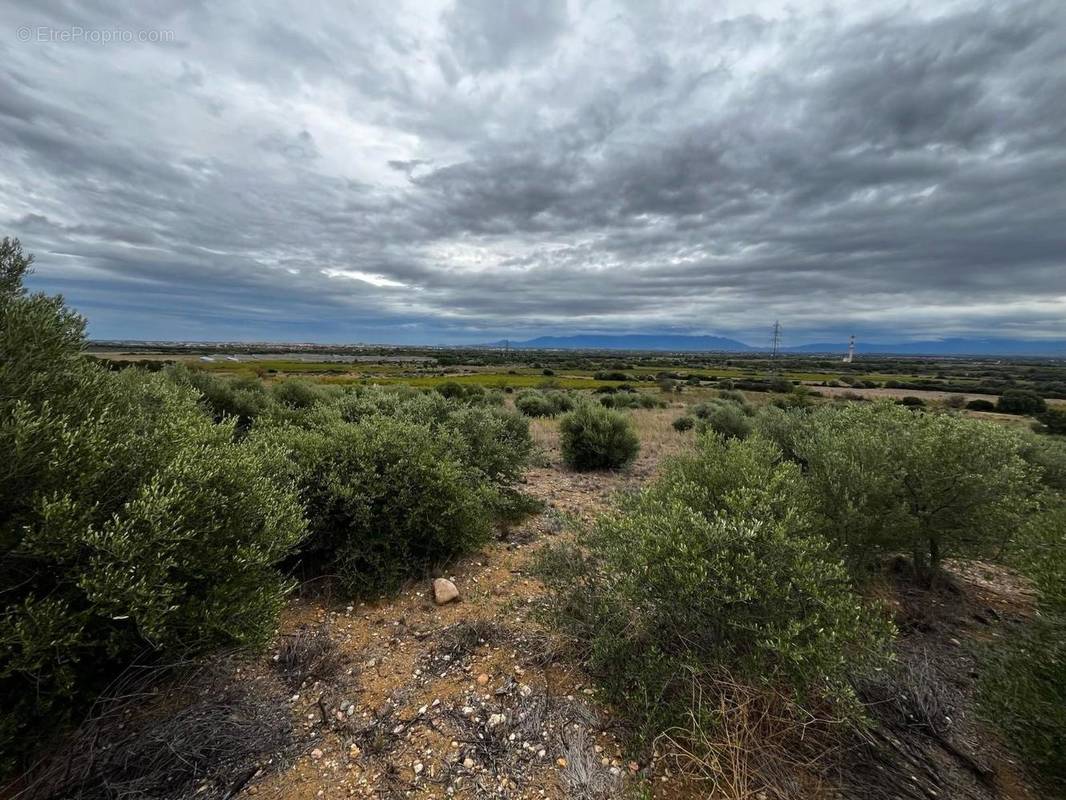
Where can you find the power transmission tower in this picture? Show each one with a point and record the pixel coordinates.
(775, 348)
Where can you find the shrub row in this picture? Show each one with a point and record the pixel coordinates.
(746, 560)
(129, 522)
(144, 514)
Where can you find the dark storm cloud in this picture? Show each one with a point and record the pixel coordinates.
(452, 171)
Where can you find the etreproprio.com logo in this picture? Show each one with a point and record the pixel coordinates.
(76, 34)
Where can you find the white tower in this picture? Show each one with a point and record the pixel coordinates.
(850, 356)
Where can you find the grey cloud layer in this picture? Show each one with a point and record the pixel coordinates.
(449, 171)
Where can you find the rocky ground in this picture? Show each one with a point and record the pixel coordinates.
(463, 699)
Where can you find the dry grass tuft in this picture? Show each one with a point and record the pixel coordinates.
(584, 776)
(460, 640)
(746, 741)
(154, 736)
(308, 654)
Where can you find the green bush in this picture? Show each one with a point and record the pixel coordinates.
(491, 441)
(799, 397)
(731, 399)
(1022, 690)
(386, 499)
(1047, 455)
(779, 385)
(733, 396)
(1054, 420)
(712, 572)
(469, 393)
(533, 403)
(725, 418)
(593, 437)
(396, 480)
(296, 393)
(241, 399)
(782, 427)
(981, 405)
(630, 399)
(562, 401)
(130, 524)
(1021, 401)
(742, 476)
(685, 423)
(887, 479)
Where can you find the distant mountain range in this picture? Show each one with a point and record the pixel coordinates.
(632, 342)
(684, 343)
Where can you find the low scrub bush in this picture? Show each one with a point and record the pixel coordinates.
(242, 399)
(534, 403)
(749, 477)
(886, 479)
(465, 392)
(1047, 455)
(981, 405)
(386, 498)
(493, 442)
(784, 428)
(1054, 420)
(685, 423)
(725, 418)
(1023, 689)
(799, 397)
(296, 393)
(630, 399)
(1021, 401)
(130, 524)
(593, 437)
(711, 572)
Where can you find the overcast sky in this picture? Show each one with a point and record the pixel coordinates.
(459, 171)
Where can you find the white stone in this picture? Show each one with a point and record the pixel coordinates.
(444, 591)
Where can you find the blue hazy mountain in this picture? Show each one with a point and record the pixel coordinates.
(686, 343)
(632, 342)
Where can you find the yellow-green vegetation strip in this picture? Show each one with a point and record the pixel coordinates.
(489, 380)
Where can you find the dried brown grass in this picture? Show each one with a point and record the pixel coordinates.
(746, 741)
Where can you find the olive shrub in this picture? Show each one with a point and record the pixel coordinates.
(131, 525)
(711, 571)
